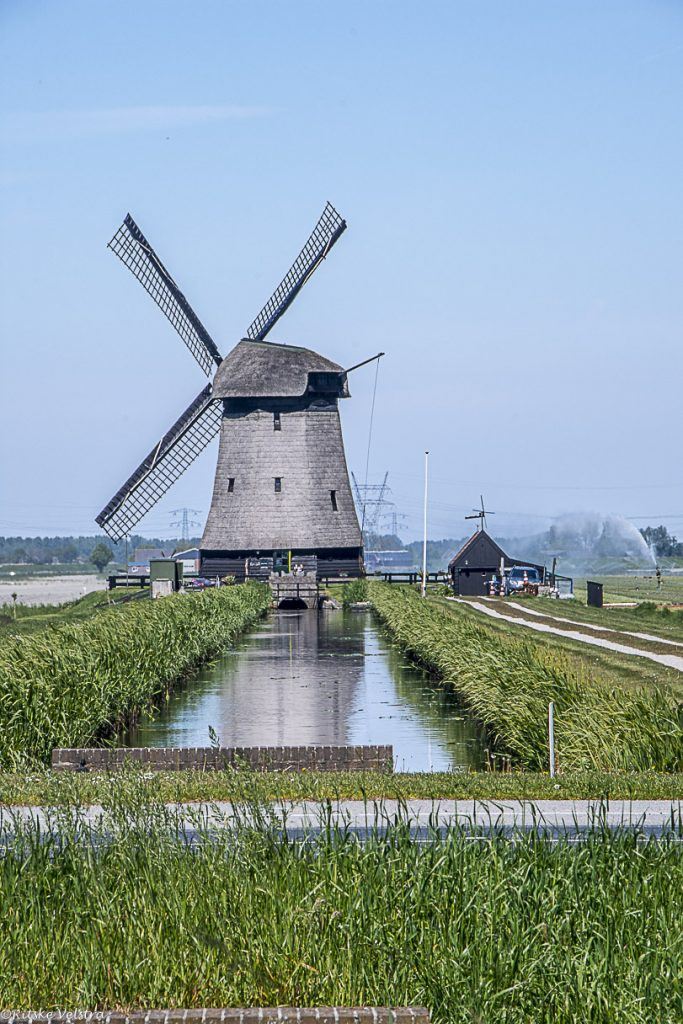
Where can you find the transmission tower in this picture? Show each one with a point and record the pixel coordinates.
(184, 520)
(376, 510)
(391, 519)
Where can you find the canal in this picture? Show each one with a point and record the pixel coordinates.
(329, 677)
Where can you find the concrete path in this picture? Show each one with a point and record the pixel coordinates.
(525, 610)
(670, 660)
(572, 818)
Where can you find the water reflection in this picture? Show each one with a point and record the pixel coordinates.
(328, 677)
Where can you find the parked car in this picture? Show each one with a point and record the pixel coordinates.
(522, 579)
(198, 583)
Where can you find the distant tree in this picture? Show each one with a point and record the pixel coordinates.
(383, 542)
(101, 556)
(664, 544)
(67, 552)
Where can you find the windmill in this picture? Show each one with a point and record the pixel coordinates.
(281, 489)
(481, 514)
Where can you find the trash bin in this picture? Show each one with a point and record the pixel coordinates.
(594, 594)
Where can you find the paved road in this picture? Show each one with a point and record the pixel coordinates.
(556, 817)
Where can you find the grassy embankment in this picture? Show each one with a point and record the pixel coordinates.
(615, 669)
(23, 619)
(76, 683)
(508, 680)
(489, 930)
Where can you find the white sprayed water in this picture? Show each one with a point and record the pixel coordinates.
(591, 541)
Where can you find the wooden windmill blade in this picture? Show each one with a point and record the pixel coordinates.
(327, 231)
(133, 249)
(167, 461)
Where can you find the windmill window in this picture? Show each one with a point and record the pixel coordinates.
(278, 484)
(277, 425)
(231, 484)
(333, 499)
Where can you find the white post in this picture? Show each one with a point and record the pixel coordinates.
(424, 531)
(551, 737)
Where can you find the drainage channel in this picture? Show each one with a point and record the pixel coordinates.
(328, 677)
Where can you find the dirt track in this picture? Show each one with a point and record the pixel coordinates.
(670, 660)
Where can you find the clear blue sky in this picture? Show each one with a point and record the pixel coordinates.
(511, 176)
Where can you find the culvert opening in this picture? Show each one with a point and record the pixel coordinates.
(292, 603)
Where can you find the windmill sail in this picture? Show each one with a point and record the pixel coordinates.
(133, 249)
(326, 232)
(167, 461)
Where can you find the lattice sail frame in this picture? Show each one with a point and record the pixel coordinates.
(326, 232)
(167, 461)
(135, 252)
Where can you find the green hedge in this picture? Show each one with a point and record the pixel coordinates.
(68, 685)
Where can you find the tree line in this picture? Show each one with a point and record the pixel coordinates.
(70, 550)
(664, 544)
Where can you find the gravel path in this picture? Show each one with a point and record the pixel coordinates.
(670, 660)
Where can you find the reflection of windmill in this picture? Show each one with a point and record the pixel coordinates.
(481, 514)
(281, 480)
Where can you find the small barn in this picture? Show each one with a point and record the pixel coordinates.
(190, 559)
(477, 561)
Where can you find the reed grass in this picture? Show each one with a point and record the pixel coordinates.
(508, 683)
(74, 683)
(354, 592)
(47, 788)
(135, 912)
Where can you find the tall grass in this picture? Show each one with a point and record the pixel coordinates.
(476, 927)
(68, 685)
(508, 683)
(354, 592)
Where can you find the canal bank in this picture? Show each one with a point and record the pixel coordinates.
(330, 677)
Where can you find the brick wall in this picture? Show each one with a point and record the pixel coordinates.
(305, 758)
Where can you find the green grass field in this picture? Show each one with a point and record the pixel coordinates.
(477, 928)
(44, 787)
(647, 617)
(636, 588)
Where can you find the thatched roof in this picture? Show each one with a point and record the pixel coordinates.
(263, 369)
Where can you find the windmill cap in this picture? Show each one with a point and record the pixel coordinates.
(264, 369)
